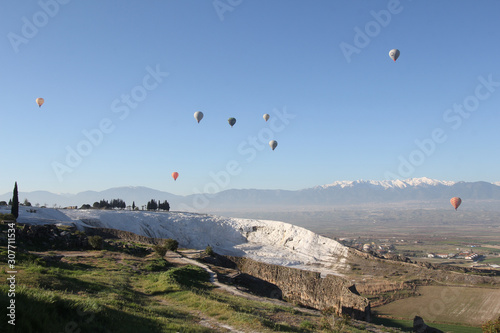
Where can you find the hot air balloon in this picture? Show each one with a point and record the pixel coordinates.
(273, 144)
(455, 202)
(394, 54)
(266, 117)
(231, 121)
(39, 101)
(198, 115)
(175, 175)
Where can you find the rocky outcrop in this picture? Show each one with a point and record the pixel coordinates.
(420, 327)
(309, 288)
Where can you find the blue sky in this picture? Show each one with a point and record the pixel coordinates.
(122, 80)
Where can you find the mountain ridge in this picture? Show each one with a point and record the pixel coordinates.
(337, 193)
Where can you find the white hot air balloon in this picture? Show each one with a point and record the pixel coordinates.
(266, 117)
(273, 144)
(394, 54)
(198, 115)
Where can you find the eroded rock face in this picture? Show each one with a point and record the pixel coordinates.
(419, 326)
(309, 288)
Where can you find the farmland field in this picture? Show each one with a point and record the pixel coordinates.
(459, 305)
(407, 326)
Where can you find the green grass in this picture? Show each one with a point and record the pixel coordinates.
(98, 291)
(92, 295)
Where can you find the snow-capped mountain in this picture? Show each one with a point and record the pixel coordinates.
(386, 184)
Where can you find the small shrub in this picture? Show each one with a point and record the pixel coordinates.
(171, 244)
(341, 323)
(157, 265)
(492, 326)
(160, 250)
(7, 217)
(209, 251)
(188, 276)
(95, 242)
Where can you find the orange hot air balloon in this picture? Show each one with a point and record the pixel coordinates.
(455, 202)
(175, 175)
(39, 101)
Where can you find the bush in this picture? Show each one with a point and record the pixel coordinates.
(492, 326)
(171, 244)
(157, 265)
(209, 251)
(160, 250)
(95, 242)
(188, 276)
(7, 217)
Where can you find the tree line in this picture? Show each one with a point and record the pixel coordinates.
(120, 204)
(102, 204)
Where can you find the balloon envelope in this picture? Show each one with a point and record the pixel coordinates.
(273, 144)
(39, 101)
(394, 54)
(455, 202)
(266, 117)
(198, 115)
(175, 175)
(231, 121)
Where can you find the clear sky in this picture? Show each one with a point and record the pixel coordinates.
(122, 79)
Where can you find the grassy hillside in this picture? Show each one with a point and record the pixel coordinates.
(128, 288)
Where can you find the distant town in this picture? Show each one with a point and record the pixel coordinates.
(416, 250)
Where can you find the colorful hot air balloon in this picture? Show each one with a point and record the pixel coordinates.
(266, 117)
(198, 115)
(231, 121)
(39, 101)
(455, 202)
(175, 175)
(273, 144)
(394, 54)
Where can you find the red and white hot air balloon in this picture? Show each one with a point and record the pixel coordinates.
(455, 202)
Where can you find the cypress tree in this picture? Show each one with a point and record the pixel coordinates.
(15, 202)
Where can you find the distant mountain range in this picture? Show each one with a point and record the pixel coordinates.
(339, 193)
